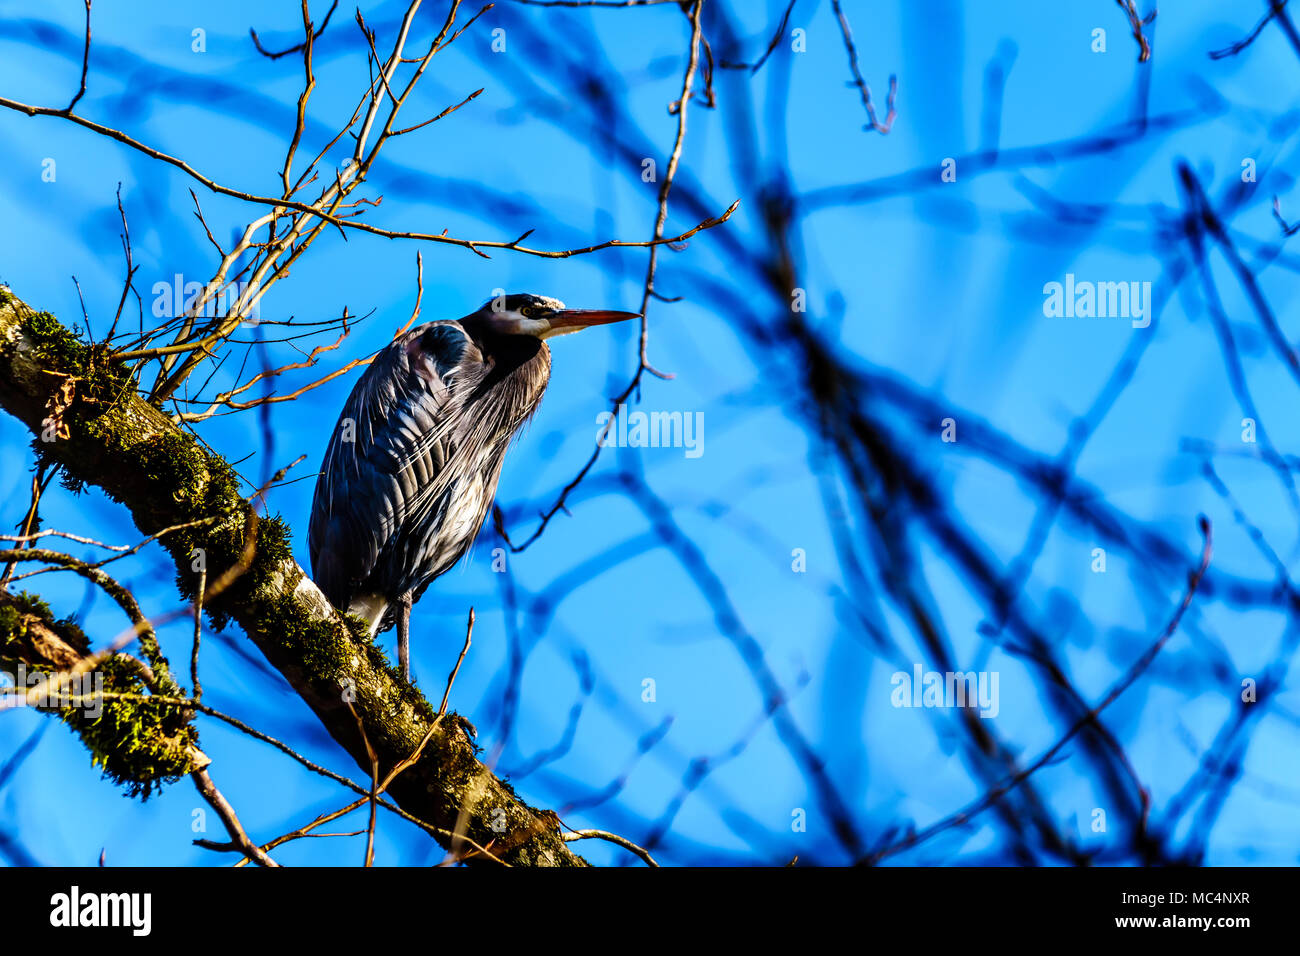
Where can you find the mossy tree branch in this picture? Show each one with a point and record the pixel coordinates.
(141, 743)
(107, 436)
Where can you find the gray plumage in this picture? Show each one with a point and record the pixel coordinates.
(413, 463)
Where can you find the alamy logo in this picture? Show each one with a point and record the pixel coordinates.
(87, 688)
(75, 908)
(924, 688)
(1104, 300)
(208, 300)
(652, 430)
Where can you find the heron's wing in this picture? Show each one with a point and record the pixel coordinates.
(482, 417)
(393, 438)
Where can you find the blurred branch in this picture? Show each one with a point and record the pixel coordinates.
(1275, 7)
(964, 816)
(1287, 230)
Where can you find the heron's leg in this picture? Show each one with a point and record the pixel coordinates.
(404, 634)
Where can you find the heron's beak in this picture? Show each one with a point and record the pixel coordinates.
(570, 320)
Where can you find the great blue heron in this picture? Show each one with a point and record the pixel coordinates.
(413, 463)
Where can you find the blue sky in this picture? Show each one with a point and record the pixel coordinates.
(942, 287)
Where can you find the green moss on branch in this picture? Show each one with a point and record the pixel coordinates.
(140, 744)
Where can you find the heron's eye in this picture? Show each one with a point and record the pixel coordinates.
(526, 310)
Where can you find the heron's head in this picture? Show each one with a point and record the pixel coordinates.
(523, 313)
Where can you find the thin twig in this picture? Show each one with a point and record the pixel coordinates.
(863, 90)
(311, 38)
(196, 687)
(374, 785)
(648, 292)
(219, 803)
(777, 34)
(1136, 23)
(451, 678)
(624, 842)
(474, 245)
(1274, 9)
(85, 64)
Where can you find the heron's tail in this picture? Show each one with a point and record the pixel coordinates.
(371, 608)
